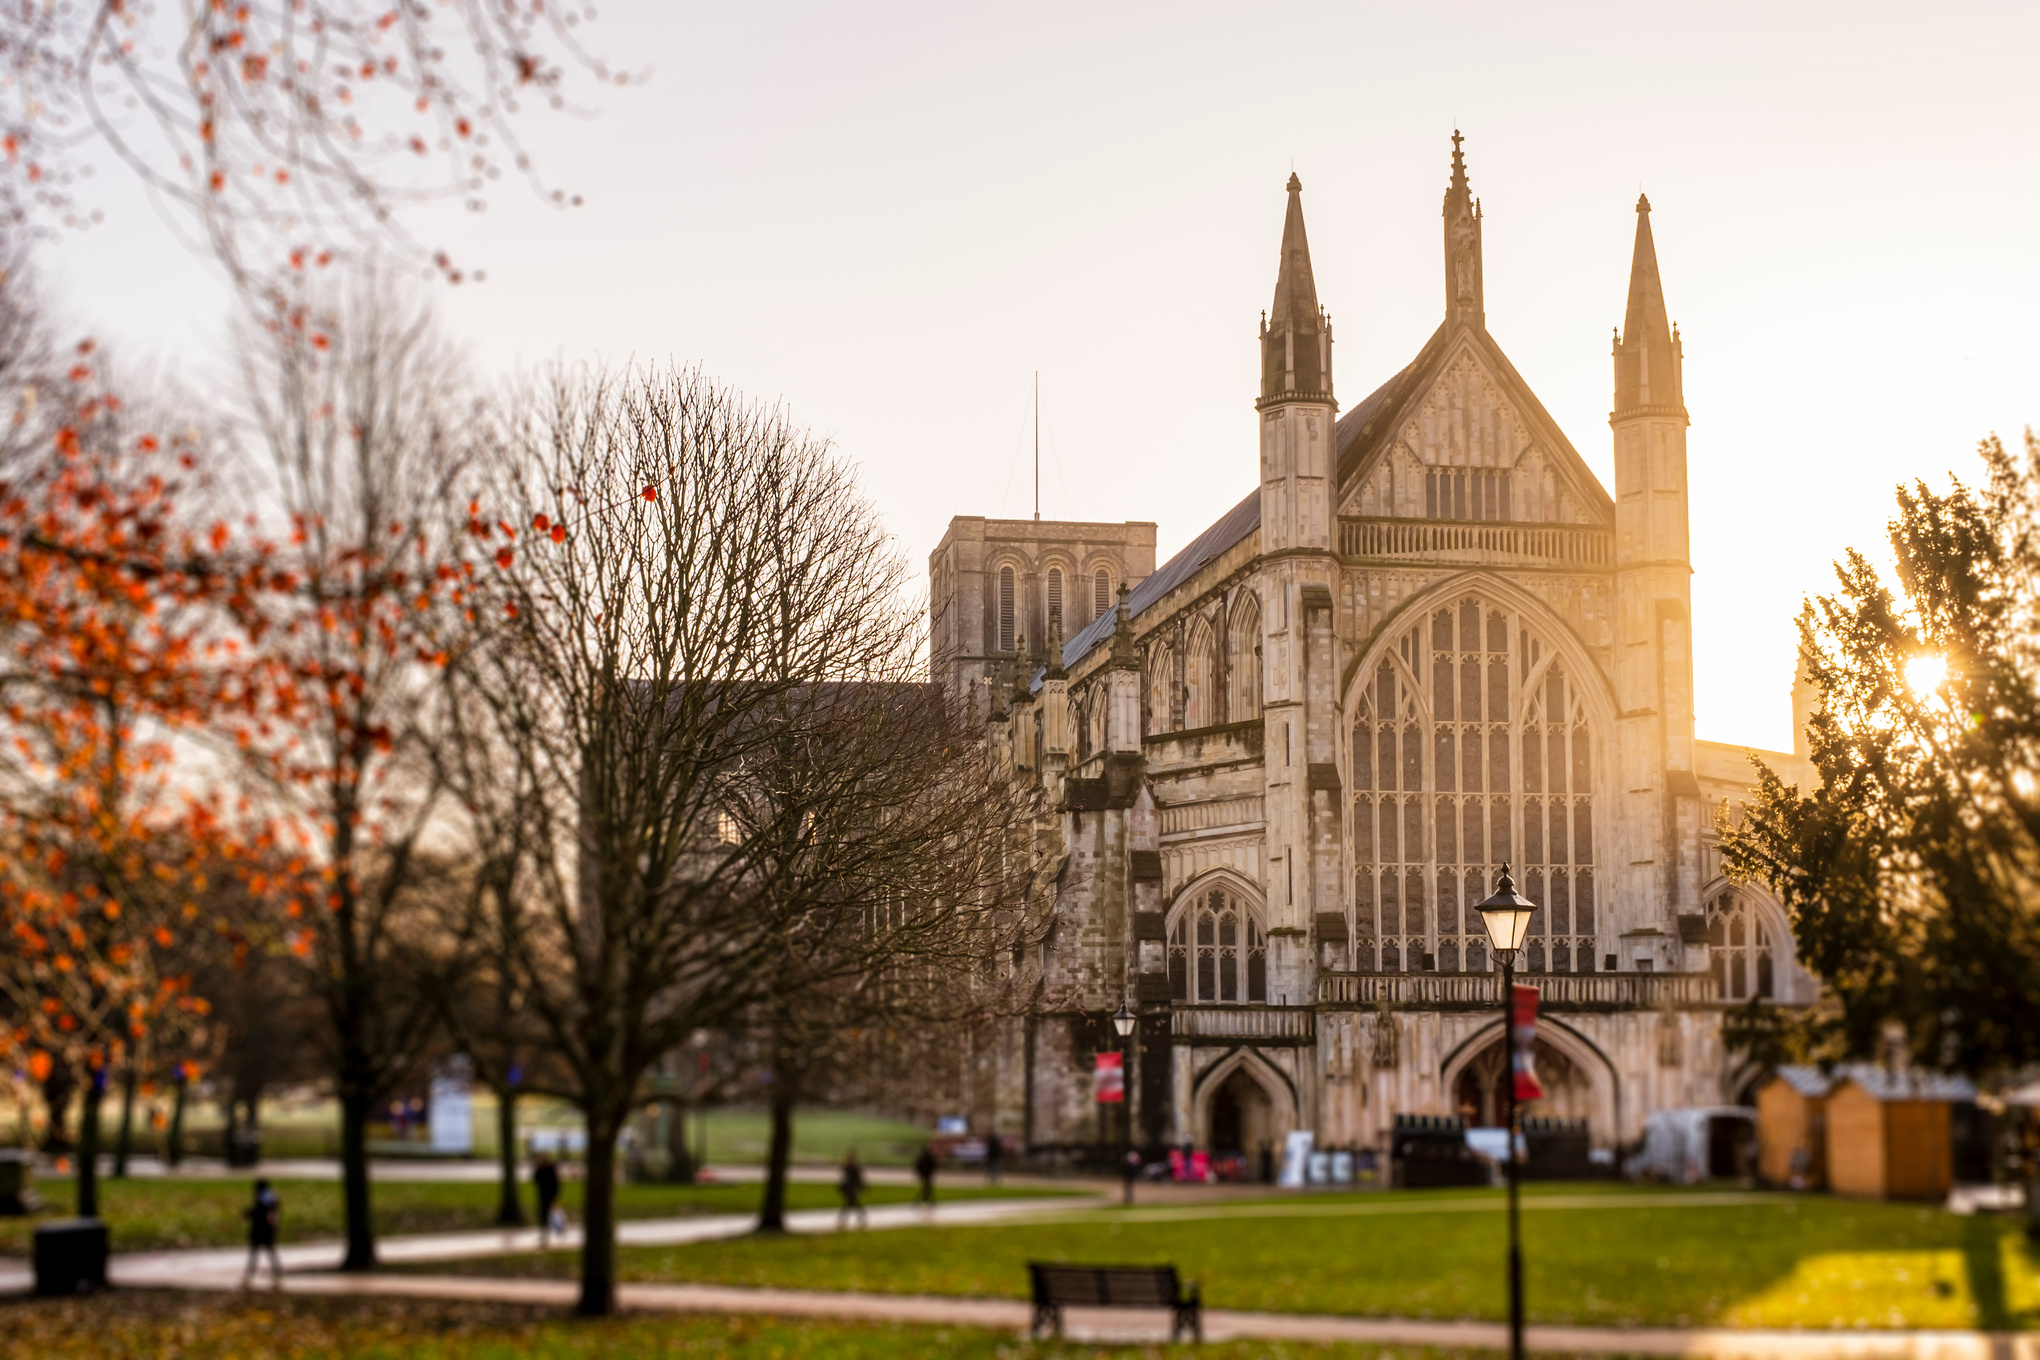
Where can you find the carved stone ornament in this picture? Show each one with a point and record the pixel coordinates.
(1384, 1037)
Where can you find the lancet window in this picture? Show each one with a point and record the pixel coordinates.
(1101, 593)
(1217, 950)
(1466, 493)
(1055, 600)
(1739, 948)
(1471, 746)
(1243, 660)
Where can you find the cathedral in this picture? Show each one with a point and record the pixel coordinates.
(1277, 772)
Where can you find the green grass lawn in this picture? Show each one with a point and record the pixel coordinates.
(1786, 1261)
(150, 1214)
(734, 1136)
(146, 1325)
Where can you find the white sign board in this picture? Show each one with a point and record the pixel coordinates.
(450, 1113)
(1296, 1158)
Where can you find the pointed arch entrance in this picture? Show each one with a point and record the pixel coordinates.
(1578, 1079)
(1242, 1104)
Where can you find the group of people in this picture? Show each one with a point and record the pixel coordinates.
(265, 1215)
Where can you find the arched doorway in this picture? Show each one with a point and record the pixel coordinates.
(1481, 1100)
(1241, 1117)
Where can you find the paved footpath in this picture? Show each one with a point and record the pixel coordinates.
(311, 1269)
(1219, 1324)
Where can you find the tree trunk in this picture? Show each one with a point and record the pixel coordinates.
(598, 1218)
(173, 1145)
(510, 1209)
(772, 1213)
(88, 1148)
(125, 1142)
(57, 1100)
(354, 1178)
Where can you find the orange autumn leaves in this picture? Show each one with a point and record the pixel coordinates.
(119, 647)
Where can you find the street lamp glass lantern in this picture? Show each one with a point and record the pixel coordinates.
(1507, 916)
(1123, 1020)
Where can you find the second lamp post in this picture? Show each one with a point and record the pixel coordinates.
(1507, 918)
(1124, 1021)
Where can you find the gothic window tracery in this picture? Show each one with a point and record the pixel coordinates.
(1217, 949)
(1739, 948)
(1471, 746)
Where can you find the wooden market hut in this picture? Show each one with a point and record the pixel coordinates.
(1792, 1129)
(1888, 1133)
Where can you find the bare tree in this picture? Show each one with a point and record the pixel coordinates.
(367, 422)
(885, 822)
(688, 575)
(278, 131)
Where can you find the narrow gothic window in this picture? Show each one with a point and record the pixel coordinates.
(1243, 660)
(1217, 951)
(1005, 609)
(1101, 590)
(1055, 590)
(1739, 948)
(1471, 747)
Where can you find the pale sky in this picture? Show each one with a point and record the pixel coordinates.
(890, 216)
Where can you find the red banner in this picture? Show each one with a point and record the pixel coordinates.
(1523, 1041)
(1108, 1080)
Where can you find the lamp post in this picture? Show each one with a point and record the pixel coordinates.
(1123, 1021)
(1507, 918)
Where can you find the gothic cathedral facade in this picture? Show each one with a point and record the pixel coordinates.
(1278, 771)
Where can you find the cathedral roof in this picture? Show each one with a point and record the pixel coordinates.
(1234, 525)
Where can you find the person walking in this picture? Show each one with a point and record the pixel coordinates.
(264, 1216)
(545, 1179)
(992, 1157)
(851, 1188)
(924, 1168)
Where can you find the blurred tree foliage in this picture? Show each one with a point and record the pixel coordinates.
(1912, 872)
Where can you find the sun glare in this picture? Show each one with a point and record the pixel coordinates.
(1926, 674)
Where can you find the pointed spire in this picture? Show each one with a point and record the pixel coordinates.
(1463, 291)
(1125, 655)
(1054, 660)
(1647, 354)
(1296, 336)
(1295, 290)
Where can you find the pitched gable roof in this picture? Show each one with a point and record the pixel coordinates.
(1372, 425)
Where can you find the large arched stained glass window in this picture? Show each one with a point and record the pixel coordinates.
(1471, 747)
(1217, 951)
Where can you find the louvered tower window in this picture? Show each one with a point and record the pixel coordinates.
(1101, 591)
(1005, 609)
(1055, 590)
(1453, 493)
(1471, 747)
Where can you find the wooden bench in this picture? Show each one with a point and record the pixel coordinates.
(1057, 1287)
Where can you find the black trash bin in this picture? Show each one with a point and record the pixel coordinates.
(244, 1147)
(70, 1256)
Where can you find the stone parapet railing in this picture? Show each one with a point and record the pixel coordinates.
(1483, 991)
(1190, 817)
(1478, 541)
(1269, 1024)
